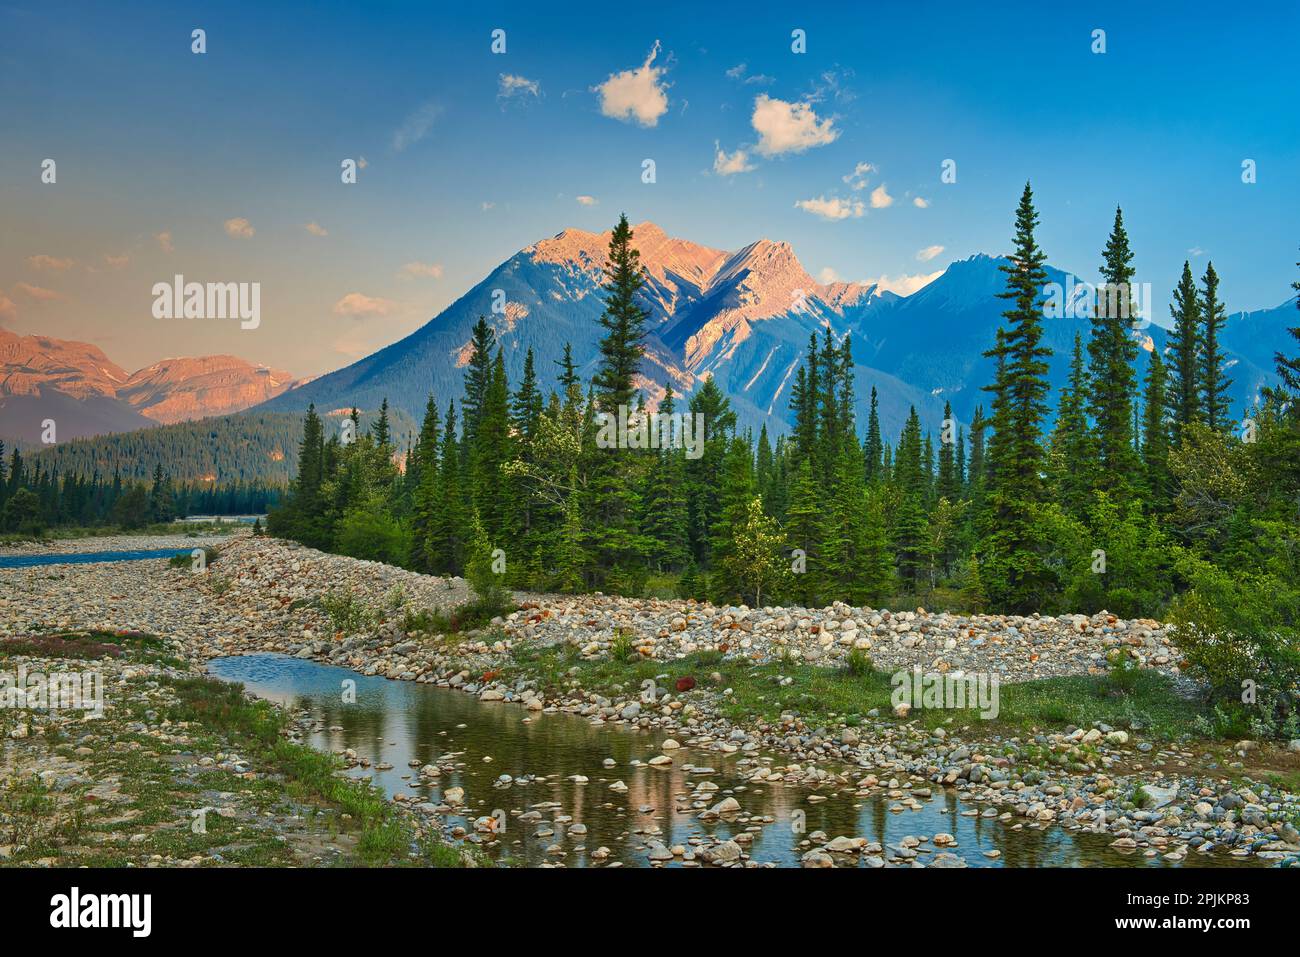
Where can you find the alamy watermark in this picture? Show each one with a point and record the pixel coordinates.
(65, 691)
(918, 689)
(1077, 299)
(212, 300)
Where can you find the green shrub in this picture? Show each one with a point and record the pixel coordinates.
(1239, 633)
(345, 613)
(858, 663)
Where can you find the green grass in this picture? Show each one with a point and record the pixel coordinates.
(823, 694)
(384, 838)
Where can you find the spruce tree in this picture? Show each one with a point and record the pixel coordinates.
(1214, 382)
(1184, 394)
(1072, 454)
(1112, 382)
(872, 449)
(623, 320)
(1155, 437)
(1012, 572)
(947, 484)
(909, 519)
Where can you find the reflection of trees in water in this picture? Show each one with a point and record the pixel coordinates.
(422, 721)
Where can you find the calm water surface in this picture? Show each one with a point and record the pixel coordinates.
(395, 722)
(85, 558)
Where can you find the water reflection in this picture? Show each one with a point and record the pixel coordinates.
(395, 722)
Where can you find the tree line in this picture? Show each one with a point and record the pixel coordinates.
(35, 498)
(1145, 498)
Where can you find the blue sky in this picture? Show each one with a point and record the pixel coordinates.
(160, 150)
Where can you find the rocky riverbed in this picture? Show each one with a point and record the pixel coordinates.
(1149, 796)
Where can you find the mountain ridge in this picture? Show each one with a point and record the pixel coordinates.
(743, 317)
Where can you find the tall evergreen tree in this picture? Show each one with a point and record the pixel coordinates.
(872, 448)
(1112, 351)
(1184, 398)
(1155, 437)
(1072, 455)
(1214, 382)
(1012, 571)
(623, 320)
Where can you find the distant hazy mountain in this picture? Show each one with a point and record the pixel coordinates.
(86, 393)
(744, 318)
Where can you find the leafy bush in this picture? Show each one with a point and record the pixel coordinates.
(374, 534)
(345, 613)
(1239, 633)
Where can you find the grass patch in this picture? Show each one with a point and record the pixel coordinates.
(759, 692)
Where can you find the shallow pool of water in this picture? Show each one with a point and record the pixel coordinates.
(395, 722)
(86, 558)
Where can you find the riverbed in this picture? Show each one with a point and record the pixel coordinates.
(394, 723)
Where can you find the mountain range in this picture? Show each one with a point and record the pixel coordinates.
(86, 393)
(744, 318)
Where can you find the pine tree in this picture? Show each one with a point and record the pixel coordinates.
(478, 379)
(568, 379)
(1072, 454)
(976, 467)
(909, 519)
(1184, 395)
(1011, 569)
(425, 501)
(947, 484)
(623, 320)
(1155, 437)
(447, 536)
(803, 532)
(877, 580)
(526, 407)
(1214, 383)
(872, 448)
(665, 519)
(1112, 381)
(613, 488)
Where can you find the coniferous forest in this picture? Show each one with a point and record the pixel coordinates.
(1144, 498)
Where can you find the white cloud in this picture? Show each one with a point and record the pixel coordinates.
(785, 127)
(511, 86)
(827, 275)
(880, 198)
(358, 306)
(921, 203)
(588, 201)
(239, 228)
(165, 241)
(903, 285)
(416, 126)
(636, 94)
(316, 229)
(729, 165)
(833, 208)
(858, 178)
(8, 311)
(486, 205)
(422, 271)
(928, 253)
(115, 262)
(740, 72)
(1196, 251)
